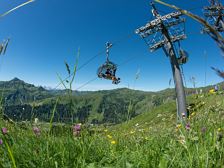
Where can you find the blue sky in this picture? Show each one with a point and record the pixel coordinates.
(46, 33)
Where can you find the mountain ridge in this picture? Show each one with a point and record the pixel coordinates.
(20, 81)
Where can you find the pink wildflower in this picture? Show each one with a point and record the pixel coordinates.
(77, 129)
(188, 127)
(36, 131)
(4, 131)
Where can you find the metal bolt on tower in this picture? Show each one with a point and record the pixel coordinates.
(214, 15)
(167, 33)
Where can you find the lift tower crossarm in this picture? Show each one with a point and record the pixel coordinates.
(214, 15)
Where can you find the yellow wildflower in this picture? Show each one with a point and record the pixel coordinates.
(212, 91)
(109, 136)
(146, 138)
(178, 126)
(219, 129)
(113, 142)
(105, 130)
(132, 132)
(192, 114)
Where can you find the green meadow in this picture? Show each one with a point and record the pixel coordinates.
(152, 139)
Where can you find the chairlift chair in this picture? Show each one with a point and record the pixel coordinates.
(108, 69)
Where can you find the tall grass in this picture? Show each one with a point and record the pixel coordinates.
(69, 81)
(154, 142)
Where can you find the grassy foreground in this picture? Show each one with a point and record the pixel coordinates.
(149, 140)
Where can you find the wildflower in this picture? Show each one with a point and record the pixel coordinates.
(1, 141)
(36, 131)
(4, 131)
(109, 136)
(36, 120)
(182, 140)
(105, 130)
(188, 127)
(192, 114)
(132, 132)
(203, 130)
(77, 129)
(212, 91)
(159, 115)
(219, 129)
(113, 142)
(178, 126)
(183, 115)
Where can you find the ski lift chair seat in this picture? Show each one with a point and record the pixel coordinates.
(103, 70)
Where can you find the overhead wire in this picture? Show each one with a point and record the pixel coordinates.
(92, 58)
(95, 78)
(88, 82)
(78, 69)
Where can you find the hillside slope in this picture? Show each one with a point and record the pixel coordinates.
(205, 108)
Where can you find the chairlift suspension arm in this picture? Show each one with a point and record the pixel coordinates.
(108, 69)
(108, 46)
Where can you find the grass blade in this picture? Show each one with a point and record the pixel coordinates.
(52, 116)
(68, 68)
(10, 154)
(17, 7)
(75, 66)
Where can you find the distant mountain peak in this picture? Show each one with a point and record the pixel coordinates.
(16, 80)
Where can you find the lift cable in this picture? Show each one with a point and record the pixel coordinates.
(95, 78)
(88, 82)
(92, 58)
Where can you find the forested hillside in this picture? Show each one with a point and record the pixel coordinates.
(23, 101)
